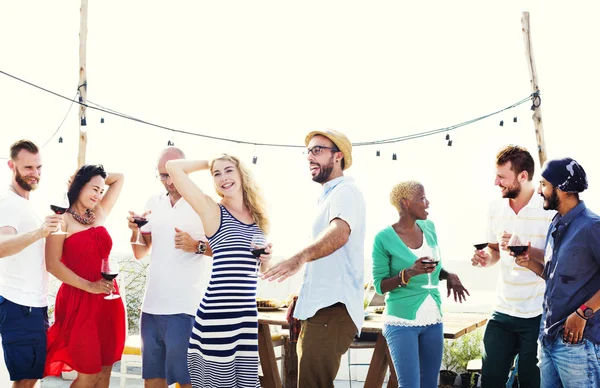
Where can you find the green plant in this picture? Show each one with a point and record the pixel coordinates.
(133, 275)
(457, 353)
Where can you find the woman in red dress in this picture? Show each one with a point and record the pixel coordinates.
(88, 334)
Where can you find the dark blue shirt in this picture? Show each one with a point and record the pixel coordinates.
(572, 271)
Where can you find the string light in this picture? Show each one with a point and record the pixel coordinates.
(501, 123)
(254, 159)
(377, 153)
(60, 139)
(515, 119)
(447, 136)
(394, 156)
(101, 120)
(535, 97)
(449, 143)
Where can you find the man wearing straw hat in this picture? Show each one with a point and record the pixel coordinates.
(570, 335)
(330, 303)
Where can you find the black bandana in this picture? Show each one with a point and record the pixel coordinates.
(566, 175)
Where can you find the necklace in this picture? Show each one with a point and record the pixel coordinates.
(87, 219)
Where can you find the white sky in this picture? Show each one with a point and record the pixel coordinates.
(270, 71)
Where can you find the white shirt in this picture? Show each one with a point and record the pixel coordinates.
(339, 276)
(429, 312)
(522, 295)
(23, 276)
(176, 279)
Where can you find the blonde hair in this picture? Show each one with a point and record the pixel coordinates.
(253, 198)
(403, 190)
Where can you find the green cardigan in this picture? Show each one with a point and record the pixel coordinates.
(390, 256)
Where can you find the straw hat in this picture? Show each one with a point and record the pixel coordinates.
(340, 140)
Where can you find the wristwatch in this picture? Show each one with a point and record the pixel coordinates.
(201, 248)
(587, 312)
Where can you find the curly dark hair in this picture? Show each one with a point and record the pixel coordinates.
(83, 176)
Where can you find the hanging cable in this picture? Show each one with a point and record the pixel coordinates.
(533, 96)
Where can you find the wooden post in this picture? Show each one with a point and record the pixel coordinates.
(82, 82)
(537, 112)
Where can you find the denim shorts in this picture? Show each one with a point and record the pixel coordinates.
(23, 330)
(165, 340)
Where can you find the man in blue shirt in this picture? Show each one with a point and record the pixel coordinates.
(570, 335)
(330, 303)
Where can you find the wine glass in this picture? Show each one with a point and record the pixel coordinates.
(109, 271)
(433, 259)
(480, 241)
(140, 221)
(60, 205)
(257, 247)
(517, 245)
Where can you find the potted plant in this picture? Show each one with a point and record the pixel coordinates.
(455, 357)
(469, 348)
(449, 363)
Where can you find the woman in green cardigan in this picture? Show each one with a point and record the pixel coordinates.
(413, 316)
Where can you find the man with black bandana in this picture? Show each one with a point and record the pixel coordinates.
(570, 336)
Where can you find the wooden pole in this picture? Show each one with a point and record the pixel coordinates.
(82, 83)
(535, 88)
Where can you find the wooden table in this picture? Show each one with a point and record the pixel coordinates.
(455, 326)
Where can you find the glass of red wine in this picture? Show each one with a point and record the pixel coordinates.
(59, 206)
(517, 245)
(257, 247)
(433, 259)
(109, 271)
(139, 221)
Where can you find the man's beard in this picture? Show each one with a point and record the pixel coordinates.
(324, 172)
(23, 183)
(553, 202)
(513, 191)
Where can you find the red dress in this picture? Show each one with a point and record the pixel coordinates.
(89, 331)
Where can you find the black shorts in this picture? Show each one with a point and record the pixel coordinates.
(23, 330)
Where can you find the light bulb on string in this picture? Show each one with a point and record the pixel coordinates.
(447, 136)
(60, 139)
(254, 159)
(449, 143)
(377, 153)
(101, 120)
(515, 119)
(501, 123)
(394, 157)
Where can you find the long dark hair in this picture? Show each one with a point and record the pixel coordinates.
(83, 176)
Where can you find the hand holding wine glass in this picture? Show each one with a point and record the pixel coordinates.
(258, 247)
(136, 222)
(109, 271)
(59, 206)
(434, 260)
(517, 246)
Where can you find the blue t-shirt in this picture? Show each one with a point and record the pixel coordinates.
(572, 271)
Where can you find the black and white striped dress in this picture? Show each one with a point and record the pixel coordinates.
(223, 350)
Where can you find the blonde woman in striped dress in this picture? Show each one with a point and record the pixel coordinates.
(223, 350)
